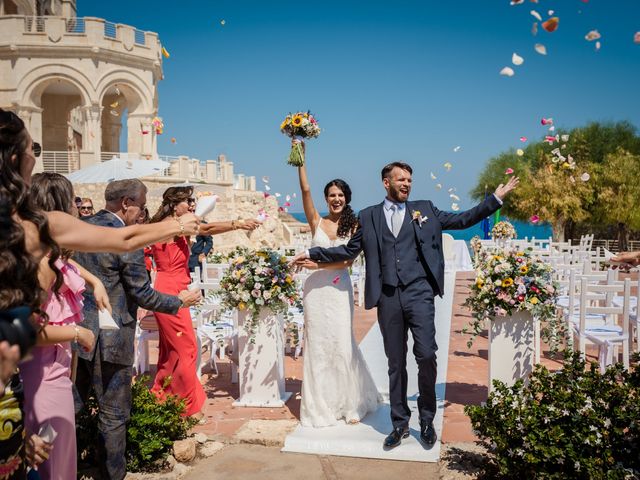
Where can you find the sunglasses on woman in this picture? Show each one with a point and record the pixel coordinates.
(37, 149)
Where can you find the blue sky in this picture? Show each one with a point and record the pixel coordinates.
(387, 80)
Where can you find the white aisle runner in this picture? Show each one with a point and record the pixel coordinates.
(365, 439)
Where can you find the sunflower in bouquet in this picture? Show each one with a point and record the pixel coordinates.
(298, 126)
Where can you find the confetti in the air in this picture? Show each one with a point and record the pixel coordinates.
(552, 128)
(520, 152)
(267, 188)
(592, 35)
(516, 2)
(457, 148)
(550, 12)
(165, 53)
(508, 171)
(534, 219)
(287, 198)
(278, 195)
(114, 104)
(534, 29)
(636, 38)
(336, 280)
(564, 138)
(451, 190)
(294, 195)
(114, 113)
(454, 197)
(536, 15)
(546, 121)
(540, 48)
(173, 139)
(223, 22)
(507, 72)
(455, 207)
(438, 186)
(523, 139)
(551, 25)
(517, 59)
(265, 179)
(598, 45)
(433, 177)
(585, 177)
(448, 166)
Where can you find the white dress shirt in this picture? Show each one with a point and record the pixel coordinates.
(388, 211)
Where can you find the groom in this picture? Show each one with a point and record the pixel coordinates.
(402, 243)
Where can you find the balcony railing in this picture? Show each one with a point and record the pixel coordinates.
(77, 25)
(60, 162)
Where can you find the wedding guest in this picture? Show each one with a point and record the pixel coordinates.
(199, 250)
(20, 295)
(46, 375)
(178, 347)
(107, 369)
(86, 207)
(44, 233)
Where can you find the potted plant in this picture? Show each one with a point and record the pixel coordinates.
(512, 288)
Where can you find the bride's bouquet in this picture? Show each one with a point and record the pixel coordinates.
(299, 125)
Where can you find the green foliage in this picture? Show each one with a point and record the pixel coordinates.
(574, 423)
(154, 426)
(553, 190)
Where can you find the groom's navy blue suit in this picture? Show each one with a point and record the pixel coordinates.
(403, 274)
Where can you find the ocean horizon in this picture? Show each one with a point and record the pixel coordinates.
(524, 229)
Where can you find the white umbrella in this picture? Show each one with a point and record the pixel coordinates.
(118, 169)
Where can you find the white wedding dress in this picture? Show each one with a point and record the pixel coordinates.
(337, 384)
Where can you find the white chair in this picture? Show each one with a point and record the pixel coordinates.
(146, 330)
(449, 252)
(597, 299)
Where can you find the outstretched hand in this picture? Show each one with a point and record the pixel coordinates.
(503, 190)
(299, 258)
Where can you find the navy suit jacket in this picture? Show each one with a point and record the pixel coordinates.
(203, 244)
(127, 283)
(368, 237)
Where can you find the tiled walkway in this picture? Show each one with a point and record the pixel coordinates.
(467, 380)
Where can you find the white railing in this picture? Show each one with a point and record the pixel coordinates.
(60, 162)
(110, 30)
(76, 25)
(106, 156)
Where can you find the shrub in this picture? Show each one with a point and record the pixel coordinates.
(573, 423)
(154, 426)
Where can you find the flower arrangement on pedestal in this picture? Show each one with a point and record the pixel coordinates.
(503, 231)
(509, 281)
(299, 125)
(256, 280)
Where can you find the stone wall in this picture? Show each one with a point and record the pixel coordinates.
(232, 205)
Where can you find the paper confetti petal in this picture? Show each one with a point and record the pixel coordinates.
(523, 139)
(455, 207)
(457, 149)
(541, 49)
(267, 188)
(536, 15)
(294, 195)
(636, 38)
(520, 152)
(438, 186)
(454, 197)
(336, 280)
(598, 45)
(534, 29)
(223, 22)
(534, 219)
(551, 25)
(265, 179)
(546, 121)
(114, 104)
(287, 198)
(508, 171)
(173, 139)
(277, 195)
(592, 35)
(517, 59)
(516, 2)
(447, 166)
(433, 177)
(165, 53)
(507, 72)
(585, 177)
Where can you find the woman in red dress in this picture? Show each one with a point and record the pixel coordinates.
(178, 347)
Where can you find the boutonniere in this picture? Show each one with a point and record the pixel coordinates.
(417, 217)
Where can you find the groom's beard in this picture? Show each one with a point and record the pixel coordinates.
(396, 196)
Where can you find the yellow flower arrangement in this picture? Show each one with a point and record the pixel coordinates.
(296, 121)
(534, 300)
(524, 269)
(299, 125)
(507, 282)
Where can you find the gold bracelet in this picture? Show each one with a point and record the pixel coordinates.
(181, 225)
(77, 335)
(233, 224)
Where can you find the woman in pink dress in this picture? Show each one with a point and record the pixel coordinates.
(46, 376)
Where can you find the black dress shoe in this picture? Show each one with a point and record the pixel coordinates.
(428, 434)
(395, 437)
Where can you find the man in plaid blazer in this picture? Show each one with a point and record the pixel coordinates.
(107, 369)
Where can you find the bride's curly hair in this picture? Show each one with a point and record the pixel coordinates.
(348, 221)
(170, 199)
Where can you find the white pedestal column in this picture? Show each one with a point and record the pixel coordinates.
(511, 348)
(261, 364)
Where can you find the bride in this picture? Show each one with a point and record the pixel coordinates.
(336, 383)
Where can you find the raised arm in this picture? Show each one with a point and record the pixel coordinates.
(74, 234)
(313, 217)
(215, 228)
